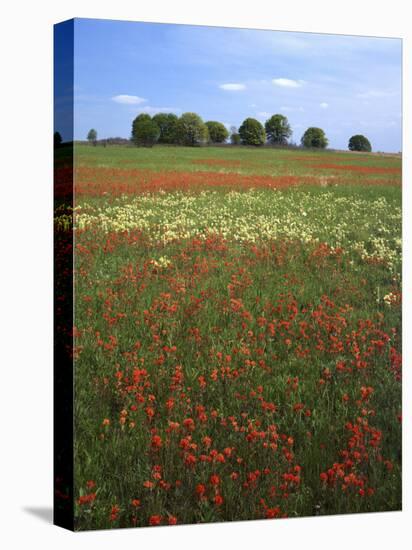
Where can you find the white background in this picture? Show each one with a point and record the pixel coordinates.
(26, 272)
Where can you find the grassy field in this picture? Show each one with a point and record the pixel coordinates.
(242, 160)
(237, 333)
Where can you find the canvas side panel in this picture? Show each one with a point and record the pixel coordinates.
(63, 274)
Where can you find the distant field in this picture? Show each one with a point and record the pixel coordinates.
(241, 160)
(238, 324)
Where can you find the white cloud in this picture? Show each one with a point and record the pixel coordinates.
(126, 99)
(287, 82)
(324, 105)
(232, 86)
(264, 114)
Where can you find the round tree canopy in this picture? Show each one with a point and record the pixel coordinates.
(359, 143)
(314, 137)
(252, 132)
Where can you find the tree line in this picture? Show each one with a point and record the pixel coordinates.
(190, 130)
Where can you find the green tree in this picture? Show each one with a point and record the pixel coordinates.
(191, 130)
(314, 137)
(278, 129)
(167, 123)
(252, 132)
(145, 132)
(57, 139)
(217, 131)
(92, 136)
(359, 143)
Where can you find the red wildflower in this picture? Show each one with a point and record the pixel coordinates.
(218, 500)
(155, 520)
(190, 460)
(200, 490)
(156, 442)
(86, 499)
(172, 520)
(272, 512)
(114, 512)
(214, 479)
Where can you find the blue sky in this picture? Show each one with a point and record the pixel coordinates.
(343, 84)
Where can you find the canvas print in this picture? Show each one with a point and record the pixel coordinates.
(227, 274)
